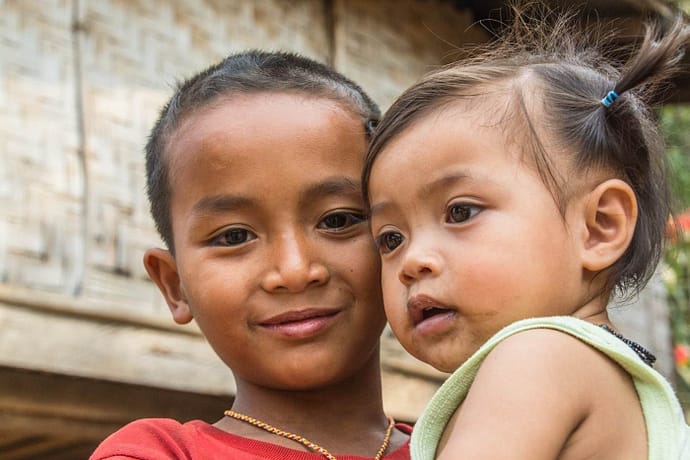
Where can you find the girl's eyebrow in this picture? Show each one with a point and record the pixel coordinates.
(220, 203)
(442, 182)
(426, 190)
(379, 208)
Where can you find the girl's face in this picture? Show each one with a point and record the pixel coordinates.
(469, 236)
(273, 254)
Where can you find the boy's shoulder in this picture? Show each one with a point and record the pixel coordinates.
(153, 438)
(163, 438)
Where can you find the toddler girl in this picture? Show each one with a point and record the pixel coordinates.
(510, 196)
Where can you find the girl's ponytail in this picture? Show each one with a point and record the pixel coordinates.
(656, 58)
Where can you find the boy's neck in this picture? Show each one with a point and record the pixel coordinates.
(356, 396)
(344, 417)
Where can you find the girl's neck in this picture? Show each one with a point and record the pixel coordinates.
(594, 310)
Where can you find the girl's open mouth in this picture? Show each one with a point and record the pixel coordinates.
(423, 308)
(433, 311)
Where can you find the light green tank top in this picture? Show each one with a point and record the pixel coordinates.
(667, 431)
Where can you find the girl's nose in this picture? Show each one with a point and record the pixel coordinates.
(294, 266)
(418, 262)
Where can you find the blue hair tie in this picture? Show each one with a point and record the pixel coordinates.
(610, 98)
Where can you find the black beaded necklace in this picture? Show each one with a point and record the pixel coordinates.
(641, 351)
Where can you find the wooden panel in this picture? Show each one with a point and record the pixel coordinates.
(47, 415)
(53, 342)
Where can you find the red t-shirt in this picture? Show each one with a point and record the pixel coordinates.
(167, 439)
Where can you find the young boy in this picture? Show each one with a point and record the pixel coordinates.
(254, 181)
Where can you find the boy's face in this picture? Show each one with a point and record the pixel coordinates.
(470, 238)
(273, 259)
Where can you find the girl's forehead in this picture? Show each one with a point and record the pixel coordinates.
(510, 116)
(465, 135)
(460, 118)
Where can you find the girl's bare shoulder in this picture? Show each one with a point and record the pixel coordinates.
(542, 393)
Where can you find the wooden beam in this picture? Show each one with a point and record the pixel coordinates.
(64, 344)
(99, 310)
(68, 416)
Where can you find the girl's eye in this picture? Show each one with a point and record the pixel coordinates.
(387, 242)
(233, 237)
(458, 213)
(339, 221)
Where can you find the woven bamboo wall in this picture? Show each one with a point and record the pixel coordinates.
(80, 85)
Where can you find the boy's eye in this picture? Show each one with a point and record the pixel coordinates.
(387, 242)
(339, 221)
(233, 237)
(458, 213)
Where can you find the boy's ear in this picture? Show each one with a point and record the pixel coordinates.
(162, 269)
(610, 218)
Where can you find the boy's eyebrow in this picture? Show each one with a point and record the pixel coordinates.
(218, 203)
(225, 203)
(331, 186)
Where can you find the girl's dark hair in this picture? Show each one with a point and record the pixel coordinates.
(244, 73)
(568, 69)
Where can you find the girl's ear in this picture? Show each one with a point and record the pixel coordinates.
(610, 218)
(162, 269)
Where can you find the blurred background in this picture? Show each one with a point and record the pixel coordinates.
(86, 341)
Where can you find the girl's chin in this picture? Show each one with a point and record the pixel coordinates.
(447, 364)
(448, 368)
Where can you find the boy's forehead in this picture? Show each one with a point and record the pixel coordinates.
(225, 149)
(254, 111)
(265, 119)
(265, 102)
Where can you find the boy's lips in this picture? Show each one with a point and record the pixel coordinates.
(426, 309)
(302, 323)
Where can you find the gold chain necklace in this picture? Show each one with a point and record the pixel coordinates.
(312, 446)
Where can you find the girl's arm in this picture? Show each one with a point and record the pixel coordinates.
(530, 399)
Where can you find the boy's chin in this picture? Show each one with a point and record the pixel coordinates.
(311, 375)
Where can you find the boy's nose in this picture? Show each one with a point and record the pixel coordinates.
(418, 262)
(294, 267)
